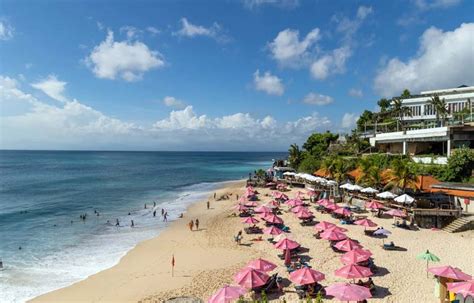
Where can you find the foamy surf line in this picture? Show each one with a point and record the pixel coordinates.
(21, 282)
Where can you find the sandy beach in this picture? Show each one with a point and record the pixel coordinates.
(208, 258)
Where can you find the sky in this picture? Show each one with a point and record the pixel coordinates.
(240, 75)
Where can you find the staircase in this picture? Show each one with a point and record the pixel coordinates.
(460, 224)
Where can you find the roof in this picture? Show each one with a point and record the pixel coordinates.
(455, 186)
(425, 183)
(454, 189)
(321, 173)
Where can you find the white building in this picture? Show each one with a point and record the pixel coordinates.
(423, 133)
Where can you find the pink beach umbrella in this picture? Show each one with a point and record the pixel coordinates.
(348, 292)
(323, 225)
(343, 211)
(298, 208)
(273, 204)
(272, 230)
(286, 244)
(347, 245)
(365, 223)
(250, 278)
(449, 272)
(355, 256)
(311, 193)
(250, 220)
(279, 195)
(299, 195)
(333, 235)
(395, 213)
(264, 214)
(353, 271)
(304, 214)
(240, 208)
(227, 294)
(331, 206)
(306, 275)
(294, 202)
(463, 288)
(337, 228)
(274, 219)
(374, 205)
(323, 202)
(242, 199)
(262, 265)
(263, 209)
(251, 204)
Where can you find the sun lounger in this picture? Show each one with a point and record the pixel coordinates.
(270, 286)
(369, 232)
(252, 230)
(308, 223)
(304, 291)
(393, 247)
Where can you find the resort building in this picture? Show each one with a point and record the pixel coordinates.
(424, 131)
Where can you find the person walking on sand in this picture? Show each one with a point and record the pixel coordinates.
(197, 224)
(162, 212)
(165, 217)
(208, 204)
(214, 196)
(237, 197)
(191, 225)
(133, 224)
(117, 223)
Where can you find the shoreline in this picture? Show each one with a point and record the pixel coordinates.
(195, 209)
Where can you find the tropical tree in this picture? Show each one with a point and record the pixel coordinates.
(295, 156)
(402, 175)
(406, 94)
(399, 110)
(440, 108)
(384, 104)
(365, 118)
(318, 143)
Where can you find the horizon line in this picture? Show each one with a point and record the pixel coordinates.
(141, 151)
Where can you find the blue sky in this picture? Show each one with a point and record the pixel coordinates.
(216, 75)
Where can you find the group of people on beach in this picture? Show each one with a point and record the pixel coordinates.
(192, 223)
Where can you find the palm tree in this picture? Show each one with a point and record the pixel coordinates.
(340, 169)
(440, 108)
(398, 110)
(402, 175)
(295, 156)
(328, 165)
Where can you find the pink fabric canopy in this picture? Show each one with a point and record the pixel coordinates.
(227, 294)
(304, 214)
(348, 292)
(251, 204)
(294, 202)
(365, 222)
(272, 230)
(240, 207)
(347, 245)
(331, 206)
(396, 213)
(273, 203)
(374, 205)
(298, 208)
(323, 202)
(262, 265)
(311, 193)
(274, 219)
(463, 288)
(337, 228)
(286, 244)
(306, 275)
(323, 225)
(250, 220)
(250, 278)
(355, 256)
(450, 272)
(352, 271)
(333, 235)
(343, 211)
(263, 209)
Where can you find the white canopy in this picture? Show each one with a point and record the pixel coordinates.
(289, 173)
(345, 186)
(369, 190)
(331, 182)
(405, 199)
(386, 195)
(355, 187)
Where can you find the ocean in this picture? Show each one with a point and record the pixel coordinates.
(44, 245)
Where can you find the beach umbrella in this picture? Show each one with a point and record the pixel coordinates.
(283, 236)
(365, 223)
(273, 204)
(354, 187)
(272, 230)
(337, 228)
(369, 190)
(331, 183)
(227, 294)
(386, 195)
(262, 265)
(323, 202)
(274, 219)
(250, 220)
(306, 275)
(464, 288)
(353, 271)
(347, 245)
(355, 256)
(311, 193)
(428, 257)
(374, 205)
(294, 202)
(264, 214)
(343, 211)
(240, 208)
(251, 204)
(345, 186)
(323, 225)
(286, 244)
(382, 232)
(405, 199)
(299, 195)
(449, 272)
(298, 208)
(348, 292)
(331, 206)
(250, 278)
(333, 235)
(304, 214)
(396, 213)
(262, 209)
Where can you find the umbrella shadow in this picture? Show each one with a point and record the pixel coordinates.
(381, 292)
(381, 271)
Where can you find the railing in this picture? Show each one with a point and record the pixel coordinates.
(437, 212)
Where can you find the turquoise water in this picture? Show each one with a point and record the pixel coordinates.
(44, 193)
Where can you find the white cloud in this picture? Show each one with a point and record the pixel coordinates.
(347, 26)
(317, 99)
(153, 30)
(355, 92)
(52, 87)
(288, 50)
(6, 30)
(332, 63)
(364, 11)
(268, 83)
(443, 60)
(130, 31)
(349, 120)
(192, 30)
(173, 102)
(182, 119)
(431, 4)
(126, 59)
(252, 4)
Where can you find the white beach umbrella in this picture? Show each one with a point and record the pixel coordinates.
(355, 187)
(405, 199)
(331, 182)
(386, 195)
(369, 190)
(282, 236)
(288, 173)
(345, 186)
